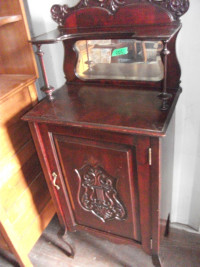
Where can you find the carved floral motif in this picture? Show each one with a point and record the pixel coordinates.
(98, 194)
(59, 13)
(176, 7)
(179, 6)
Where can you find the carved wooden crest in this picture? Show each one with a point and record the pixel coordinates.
(60, 12)
(98, 194)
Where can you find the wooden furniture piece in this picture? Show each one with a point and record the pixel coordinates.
(25, 204)
(99, 137)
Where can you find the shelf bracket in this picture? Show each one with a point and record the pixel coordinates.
(47, 88)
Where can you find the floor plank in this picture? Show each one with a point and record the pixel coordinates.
(180, 249)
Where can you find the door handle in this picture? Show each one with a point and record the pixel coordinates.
(54, 175)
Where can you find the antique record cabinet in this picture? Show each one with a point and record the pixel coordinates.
(99, 137)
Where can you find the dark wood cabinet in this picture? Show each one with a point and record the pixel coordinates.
(99, 137)
(104, 178)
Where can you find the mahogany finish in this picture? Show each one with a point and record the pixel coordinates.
(159, 32)
(156, 12)
(99, 141)
(120, 109)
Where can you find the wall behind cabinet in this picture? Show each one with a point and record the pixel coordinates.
(186, 188)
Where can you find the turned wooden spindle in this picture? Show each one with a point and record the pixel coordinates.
(47, 88)
(164, 95)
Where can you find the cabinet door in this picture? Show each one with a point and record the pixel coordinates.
(101, 183)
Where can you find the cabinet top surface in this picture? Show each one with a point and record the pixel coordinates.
(122, 110)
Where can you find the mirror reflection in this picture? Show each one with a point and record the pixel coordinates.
(119, 60)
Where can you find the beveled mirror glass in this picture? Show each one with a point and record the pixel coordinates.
(119, 60)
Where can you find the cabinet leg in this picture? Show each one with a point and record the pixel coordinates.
(156, 260)
(167, 227)
(63, 235)
(60, 242)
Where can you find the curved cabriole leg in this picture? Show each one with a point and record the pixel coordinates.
(60, 243)
(156, 260)
(167, 228)
(67, 247)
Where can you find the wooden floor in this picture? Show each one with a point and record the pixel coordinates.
(180, 249)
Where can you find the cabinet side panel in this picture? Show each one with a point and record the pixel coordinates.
(167, 159)
(155, 195)
(143, 170)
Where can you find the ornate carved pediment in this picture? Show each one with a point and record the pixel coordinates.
(60, 12)
(98, 193)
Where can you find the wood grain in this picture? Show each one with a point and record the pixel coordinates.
(17, 57)
(19, 181)
(25, 204)
(15, 107)
(9, 19)
(32, 206)
(117, 108)
(11, 83)
(38, 225)
(12, 240)
(13, 138)
(11, 167)
(3, 244)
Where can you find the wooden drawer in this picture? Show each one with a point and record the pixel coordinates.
(14, 133)
(12, 139)
(15, 107)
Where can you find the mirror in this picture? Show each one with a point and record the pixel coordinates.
(124, 59)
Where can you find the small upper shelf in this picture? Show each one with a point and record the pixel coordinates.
(146, 32)
(9, 19)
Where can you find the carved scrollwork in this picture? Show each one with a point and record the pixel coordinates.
(98, 194)
(179, 6)
(98, 2)
(176, 7)
(115, 4)
(59, 13)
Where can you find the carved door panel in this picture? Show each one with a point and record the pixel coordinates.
(101, 183)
